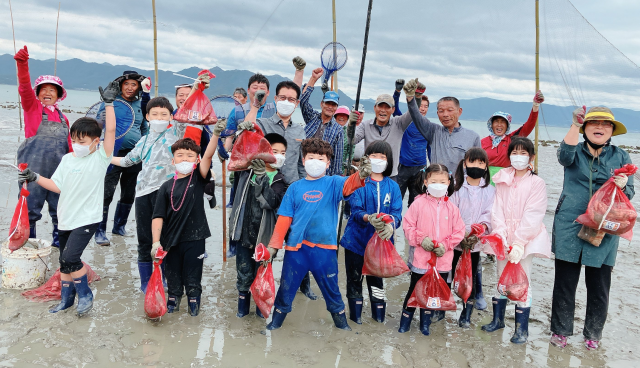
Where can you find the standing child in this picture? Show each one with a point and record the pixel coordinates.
(474, 198)
(379, 195)
(517, 214)
(80, 181)
(432, 219)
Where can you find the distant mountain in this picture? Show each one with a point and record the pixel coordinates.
(81, 75)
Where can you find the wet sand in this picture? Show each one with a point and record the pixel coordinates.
(117, 333)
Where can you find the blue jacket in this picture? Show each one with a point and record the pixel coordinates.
(364, 201)
(415, 147)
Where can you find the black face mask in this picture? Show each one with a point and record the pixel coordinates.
(593, 145)
(475, 172)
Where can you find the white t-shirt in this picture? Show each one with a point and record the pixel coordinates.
(81, 184)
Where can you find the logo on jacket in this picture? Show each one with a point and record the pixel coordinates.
(387, 199)
(312, 196)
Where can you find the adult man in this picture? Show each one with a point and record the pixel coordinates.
(449, 141)
(135, 90)
(192, 131)
(241, 95)
(323, 125)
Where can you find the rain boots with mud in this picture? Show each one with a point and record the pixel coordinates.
(405, 321)
(85, 295)
(378, 311)
(521, 334)
(499, 307)
(465, 316)
(173, 303)
(426, 315)
(355, 310)
(68, 297)
(101, 233)
(194, 305)
(277, 318)
(480, 304)
(305, 287)
(340, 320)
(145, 269)
(244, 302)
(120, 219)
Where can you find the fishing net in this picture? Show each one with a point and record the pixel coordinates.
(333, 58)
(155, 303)
(224, 106)
(263, 287)
(249, 146)
(125, 118)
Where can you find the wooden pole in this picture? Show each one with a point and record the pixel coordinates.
(14, 52)
(155, 47)
(535, 164)
(224, 211)
(55, 60)
(334, 77)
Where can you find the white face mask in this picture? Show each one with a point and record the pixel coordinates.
(285, 108)
(81, 151)
(158, 126)
(437, 190)
(185, 167)
(315, 168)
(279, 161)
(378, 165)
(519, 162)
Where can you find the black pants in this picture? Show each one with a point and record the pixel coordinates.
(72, 244)
(353, 263)
(183, 268)
(144, 217)
(407, 176)
(415, 277)
(598, 282)
(127, 177)
(475, 258)
(246, 267)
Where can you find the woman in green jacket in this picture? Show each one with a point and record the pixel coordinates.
(587, 166)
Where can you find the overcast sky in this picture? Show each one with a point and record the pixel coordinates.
(465, 48)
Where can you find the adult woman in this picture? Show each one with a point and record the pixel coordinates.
(587, 166)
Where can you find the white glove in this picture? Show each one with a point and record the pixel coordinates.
(154, 249)
(387, 232)
(146, 85)
(620, 180)
(517, 250)
(246, 125)
(376, 222)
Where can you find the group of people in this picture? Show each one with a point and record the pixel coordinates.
(455, 181)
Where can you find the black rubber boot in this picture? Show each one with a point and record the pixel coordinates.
(85, 295)
(405, 321)
(378, 311)
(244, 301)
(355, 310)
(276, 320)
(305, 287)
(480, 304)
(173, 303)
(145, 269)
(54, 235)
(101, 233)
(68, 297)
(120, 219)
(32, 231)
(499, 307)
(340, 320)
(425, 321)
(521, 334)
(465, 315)
(194, 305)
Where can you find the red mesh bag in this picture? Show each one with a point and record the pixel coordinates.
(496, 244)
(381, 259)
(155, 303)
(19, 229)
(197, 109)
(513, 282)
(50, 290)
(463, 279)
(477, 229)
(250, 145)
(263, 287)
(431, 291)
(610, 210)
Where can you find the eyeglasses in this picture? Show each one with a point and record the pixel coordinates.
(605, 124)
(290, 99)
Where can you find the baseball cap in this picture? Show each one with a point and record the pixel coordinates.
(331, 97)
(342, 110)
(385, 98)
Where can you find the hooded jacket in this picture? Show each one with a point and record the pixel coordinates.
(475, 204)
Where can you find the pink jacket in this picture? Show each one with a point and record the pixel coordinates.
(438, 219)
(518, 210)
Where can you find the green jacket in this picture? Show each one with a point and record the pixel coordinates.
(578, 163)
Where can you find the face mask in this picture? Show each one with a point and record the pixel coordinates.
(279, 161)
(437, 190)
(158, 126)
(519, 162)
(285, 108)
(475, 172)
(378, 165)
(315, 168)
(185, 167)
(80, 150)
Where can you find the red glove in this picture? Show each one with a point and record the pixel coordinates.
(22, 55)
(538, 98)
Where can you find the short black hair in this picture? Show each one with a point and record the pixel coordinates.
(258, 78)
(473, 154)
(273, 138)
(433, 169)
(159, 102)
(290, 85)
(384, 148)
(186, 144)
(449, 98)
(524, 143)
(317, 146)
(241, 91)
(85, 127)
(425, 98)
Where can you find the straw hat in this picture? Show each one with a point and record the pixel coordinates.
(604, 113)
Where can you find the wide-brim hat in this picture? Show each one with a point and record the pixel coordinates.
(51, 79)
(130, 74)
(604, 113)
(499, 114)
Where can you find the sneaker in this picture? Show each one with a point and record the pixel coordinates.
(591, 344)
(559, 341)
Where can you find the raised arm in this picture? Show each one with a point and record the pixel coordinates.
(299, 64)
(396, 96)
(205, 161)
(108, 96)
(308, 113)
(28, 98)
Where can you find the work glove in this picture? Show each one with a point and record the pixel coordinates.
(206, 79)
(538, 98)
(22, 55)
(399, 84)
(578, 116)
(427, 244)
(246, 125)
(419, 92)
(353, 117)
(386, 233)
(515, 255)
(365, 168)
(299, 63)
(154, 249)
(146, 85)
(324, 88)
(468, 242)
(620, 180)
(410, 87)
(258, 166)
(258, 98)
(220, 126)
(439, 250)
(109, 95)
(376, 222)
(28, 175)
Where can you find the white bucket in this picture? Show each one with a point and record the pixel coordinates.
(25, 268)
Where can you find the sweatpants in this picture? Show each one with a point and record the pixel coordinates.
(598, 283)
(183, 268)
(127, 177)
(526, 263)
(37, 197)
(475, 258)
(144, 216)
(415, 277)
(353, 263)
(407, 175)
(246, 268)
(72, 244)
(323, 264)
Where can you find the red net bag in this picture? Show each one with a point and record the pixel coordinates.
(155, 303)
(381, 259)
(250, 145)
(463, 279)
(263, 287)
(513, 282)
(431, 291)
(50, 290)
(496, 244)
(197, 109)
(477, 229)
(610, 210)
(19, 229)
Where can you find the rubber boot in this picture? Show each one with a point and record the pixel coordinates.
(120, 219)
(85, 295)
(101, 233)
(465, 315)
(54, 235)
(276, 320)
(521, 334)
(194, 305)
(355, 310)
(480, 304)
(173, 303)
(68, 297)
(499, 307)
(145, 269)
(340, 320)
(425, 321)
(244, 301)
(32, 231)
(305, 287)
(378, 311)
(405, 321)
(258, 313)
(437, 315)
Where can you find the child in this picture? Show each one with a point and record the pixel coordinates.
(379, 195)
(474, 198)
(154, 152)
(310, 209)
(254, 213)
(517, 214)
(80, 181)
(431, 219)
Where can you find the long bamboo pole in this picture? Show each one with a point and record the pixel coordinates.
(55, 59)
(224, 211)
(535, 164)
(334, 77)
(14, 52)
(155, 47)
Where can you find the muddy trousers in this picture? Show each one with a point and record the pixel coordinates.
(144, 216)
(353, 264)
(475, 259)
(183, 268)
(323, 264)
(246, 268)
(415, 277)
(72, 244)
(127, 177)
(526, 263)
(598, 283)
